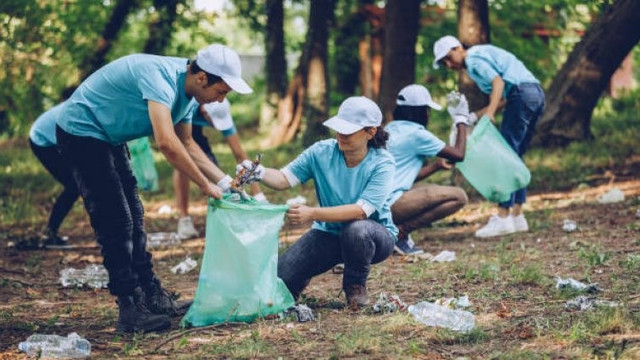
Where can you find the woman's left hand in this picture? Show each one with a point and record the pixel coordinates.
(299, 214)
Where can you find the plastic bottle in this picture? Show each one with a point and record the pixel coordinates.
(162, 239)
(56, 347)
(440, 316)
(94, 276)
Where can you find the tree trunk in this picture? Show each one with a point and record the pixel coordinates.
(316, 106)
(473, 29)
(370, 49)
(576, 88)
(402, 23)
(276, 65)
(109, 34)
(161, 26)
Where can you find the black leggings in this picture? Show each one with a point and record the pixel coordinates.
(108, 187)
(50, 157)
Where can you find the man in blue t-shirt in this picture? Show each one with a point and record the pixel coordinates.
(500, 74)
(131, 97)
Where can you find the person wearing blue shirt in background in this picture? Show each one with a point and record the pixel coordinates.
(217, 115)
(352, 224)
(131, 97)
(418, 205)
(42, 139)
(500, 74)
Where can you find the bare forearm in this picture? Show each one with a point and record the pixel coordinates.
(209, 169)
(340, 213)
(495, 96)
(274, 179)
(427, 171)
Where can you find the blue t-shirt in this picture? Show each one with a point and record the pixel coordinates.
(336, 184)
(111, 105)
(485, 62)
(43, 130)
(409, 144)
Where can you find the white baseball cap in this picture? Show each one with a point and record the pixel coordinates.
(416, 95)
(442, 47)
(220, 114)
(355, 113)
(222, 61)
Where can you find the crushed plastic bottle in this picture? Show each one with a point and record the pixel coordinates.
(388, 304)
(162, 239)
(185, 266)
(570, 283)
(585, 303)
(569, 225)
(93, 275)
(56, 347)
(445, 256)
(440, 316)
(303, 312)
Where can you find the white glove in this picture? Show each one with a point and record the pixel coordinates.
(260, 197)
(458, 108)
(258, 172)
(225, 184)
(473, 118)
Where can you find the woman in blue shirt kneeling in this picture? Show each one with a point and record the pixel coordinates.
(352, 224)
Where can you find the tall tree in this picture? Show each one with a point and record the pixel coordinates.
(161, 26)
(402, 23)
(370, 49)
(473, 29)
(317, 99)
(276, 65)
(576, 88)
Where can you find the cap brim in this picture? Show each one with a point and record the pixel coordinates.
(341, 126)
(436, 63)
(238, 85)
(434, 105)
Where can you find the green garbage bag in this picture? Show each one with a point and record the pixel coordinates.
(238, 276)
(490, 165)
(142, 164)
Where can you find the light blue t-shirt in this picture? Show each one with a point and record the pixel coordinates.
(485, 62)
(111, 105)
(43, 130)
(369, 182)
(409, 143)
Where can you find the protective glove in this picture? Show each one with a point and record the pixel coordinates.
(246, 166)
(458, 108)
(225, 184)
(261, 198)
(473, 118)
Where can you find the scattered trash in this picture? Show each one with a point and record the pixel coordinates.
(569, 225)
(461, 302)
(185, 266)
(440, 316)
(388, 304)
(165, 210)
(614, 195)
(303, 312)
(445, 256)
(56, 347)
(585, 303)
(94, 276)
(570, 283)
(162, 239)
(298, 200)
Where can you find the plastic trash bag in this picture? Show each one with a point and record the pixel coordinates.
(490, 165)
(143, 165)
(238, 275)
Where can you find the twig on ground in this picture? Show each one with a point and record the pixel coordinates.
(204, 328)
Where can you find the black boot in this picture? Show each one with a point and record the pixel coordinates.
(161, 301)
(134, 316)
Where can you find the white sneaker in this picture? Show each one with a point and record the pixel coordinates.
(520, 223)
(496, 226)
(186, 230)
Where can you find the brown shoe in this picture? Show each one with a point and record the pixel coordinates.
(356, 296)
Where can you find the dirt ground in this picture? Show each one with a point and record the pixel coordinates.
(510, 282)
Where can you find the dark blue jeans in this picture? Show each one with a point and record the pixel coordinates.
(360, 244)
(525, 104)
(52, 160)
(108, 187)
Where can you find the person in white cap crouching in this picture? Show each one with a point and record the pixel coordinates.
(418, 205)
(352, 223)
(500, 74)
(131, 97)
(218, 116)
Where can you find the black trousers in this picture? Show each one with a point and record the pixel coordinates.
(51, 159)
(203, 142)
(108, 187)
